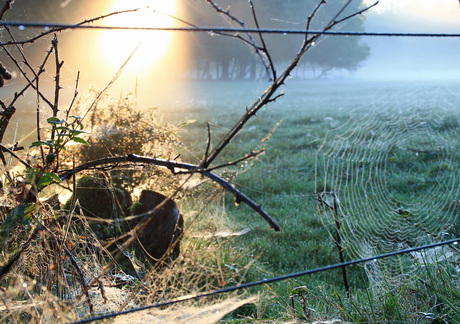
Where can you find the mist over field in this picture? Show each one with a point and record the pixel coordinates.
(413, 57)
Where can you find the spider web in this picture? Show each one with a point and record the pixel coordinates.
(392, 173)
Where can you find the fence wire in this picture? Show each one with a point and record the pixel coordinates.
(213, 29)
(267, 281)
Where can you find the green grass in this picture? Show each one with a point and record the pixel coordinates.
(408, 176)
(283, 180)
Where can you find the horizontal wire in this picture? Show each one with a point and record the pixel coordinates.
(266, 281)
(20, 25)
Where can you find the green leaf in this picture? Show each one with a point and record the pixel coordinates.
(40, 143)
(54, 176)
(77, 132)
(47, 179)
(33, 174)
(59, 146)
(80, 141)
(297, 290)
(77, 117)
(55, 120)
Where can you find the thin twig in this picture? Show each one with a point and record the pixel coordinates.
(172, 166)
(248, 156)
(24, 74)
(260, 53)
(57, 86)
(62, 28)
(5, 8)
(208, 146)
(6, 149)
(264, 48)
(75, 94)
(115, 77)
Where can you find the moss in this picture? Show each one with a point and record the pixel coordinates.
(97, 198)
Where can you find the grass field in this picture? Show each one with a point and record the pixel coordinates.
(286, 179)
(385, 153)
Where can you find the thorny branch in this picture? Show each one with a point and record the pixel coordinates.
(57, 79)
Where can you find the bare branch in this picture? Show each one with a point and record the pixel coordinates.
(172, 166)
(75, 94)
(41, 69)
(264, 46)
(60, 29)
(313, 14)
(5, 8)
(116, 76)
(6, 149)
(57, 87)
(209, 143)
(249, 156)
(15, 61)
(267, 96)
(265, 61)
(359, 12)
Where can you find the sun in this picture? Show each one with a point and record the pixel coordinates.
(117, 45)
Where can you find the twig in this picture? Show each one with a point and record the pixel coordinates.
(57, 87)
(266, 61)
(267, 96)
(208, 146)
(4, 121)
(262, 40)
(115, 77)
(19, 66)
(75, 94)
(62, 28)
(5, 8)
(359, 12)
(248, 156)
(172, 166)
(6, 149)
(41, 69)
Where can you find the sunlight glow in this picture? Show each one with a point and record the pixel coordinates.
(116, 46)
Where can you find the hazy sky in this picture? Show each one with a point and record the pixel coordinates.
(413, 57)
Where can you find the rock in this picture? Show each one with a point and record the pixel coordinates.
(99, 199)
(164, 229)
